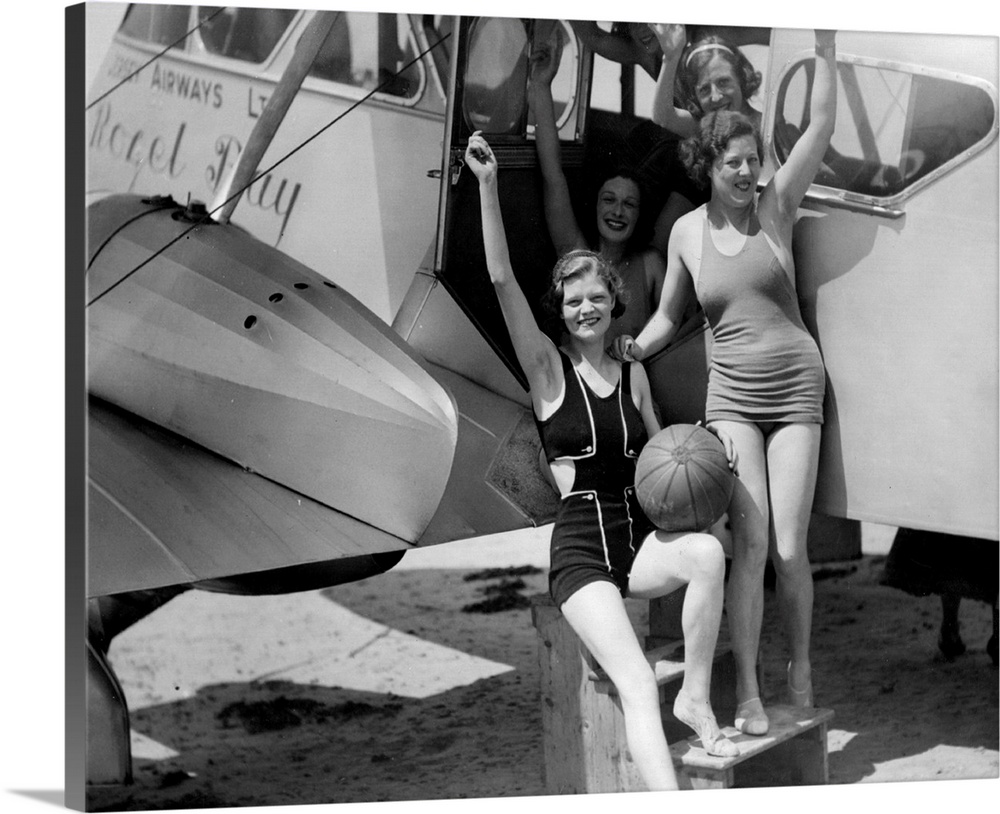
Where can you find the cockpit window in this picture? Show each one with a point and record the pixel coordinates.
(369, 50)
(496, 75)
(246, 34)
(895, 126)
(158, 24)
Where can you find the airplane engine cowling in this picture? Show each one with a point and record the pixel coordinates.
(205, 331)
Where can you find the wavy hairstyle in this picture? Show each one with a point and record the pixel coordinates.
(643, 232)
(698, 54)
(715, 131)
(575, 264)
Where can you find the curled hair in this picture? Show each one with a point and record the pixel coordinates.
(715, 131)
(575, 264)
(643, 232)
(698, 54)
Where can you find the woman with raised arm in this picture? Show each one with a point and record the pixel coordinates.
(594, 415)
(711, 74)
(766, 380)
(621, 238)
(625, 43)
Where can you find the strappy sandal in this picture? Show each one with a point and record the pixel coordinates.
(751, 718)
(703, 722)
(799, 698)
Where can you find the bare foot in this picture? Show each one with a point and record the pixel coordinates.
(701, 719)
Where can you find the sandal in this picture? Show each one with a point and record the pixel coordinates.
(799, 698)
(703, 722)
(751, 718)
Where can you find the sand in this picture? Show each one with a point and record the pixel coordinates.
(397, 688)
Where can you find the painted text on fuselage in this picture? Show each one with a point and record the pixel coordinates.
(177, 83)
(136, 145)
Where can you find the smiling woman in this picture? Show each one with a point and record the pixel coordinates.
(709, 74)
(594, 415)
(621, 233)
(766, 382)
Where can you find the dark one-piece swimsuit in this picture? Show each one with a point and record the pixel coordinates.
(600, 525)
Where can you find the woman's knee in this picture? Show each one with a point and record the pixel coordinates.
(636, 683)
(750, 551)
(708, 556)
(791, 565)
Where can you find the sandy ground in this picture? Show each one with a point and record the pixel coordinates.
(397, 688)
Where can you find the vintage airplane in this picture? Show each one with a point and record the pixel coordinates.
(297, 369)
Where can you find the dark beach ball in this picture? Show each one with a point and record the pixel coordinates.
(683, 480)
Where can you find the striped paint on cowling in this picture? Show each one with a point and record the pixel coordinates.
(243, 350)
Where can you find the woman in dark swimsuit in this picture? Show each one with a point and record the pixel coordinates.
(594, 415)
(766, 380)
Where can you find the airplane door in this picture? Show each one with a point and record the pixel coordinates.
(490, 94)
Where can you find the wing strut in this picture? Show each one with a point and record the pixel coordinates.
(274, 113)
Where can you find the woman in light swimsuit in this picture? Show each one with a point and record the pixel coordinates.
(766, 380)
(594, 414)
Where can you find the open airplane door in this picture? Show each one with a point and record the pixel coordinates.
(451, 314)
(489, 93)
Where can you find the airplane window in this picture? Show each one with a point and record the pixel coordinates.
(893, 127)
(564, 83)
(496, 76)
(159, 24)
(247, 34)
(370, 51)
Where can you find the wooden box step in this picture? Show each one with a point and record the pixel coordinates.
(584, 728)
(666, 660)
(795, 745)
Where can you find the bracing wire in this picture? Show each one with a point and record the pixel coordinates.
(155, 57)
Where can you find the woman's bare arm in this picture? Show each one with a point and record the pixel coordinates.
(559, 217)
(792, 180)
(535, 352)
(672, 40)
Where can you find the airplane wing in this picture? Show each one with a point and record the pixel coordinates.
(165, 511)
(246, 416)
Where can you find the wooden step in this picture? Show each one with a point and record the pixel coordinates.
(795, 744)
(666, 660)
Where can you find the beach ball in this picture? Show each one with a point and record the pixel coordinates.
(683, 480)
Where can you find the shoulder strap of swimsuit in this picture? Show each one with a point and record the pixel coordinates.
(707, 245)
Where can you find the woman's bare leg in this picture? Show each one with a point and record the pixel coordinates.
(597, 613)
(792, 461)
(663, 564)
(749, 521)
(667, 562)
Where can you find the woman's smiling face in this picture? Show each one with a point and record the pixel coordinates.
(718, 87)
(587, 304)
(736, 170)
(617, 209)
